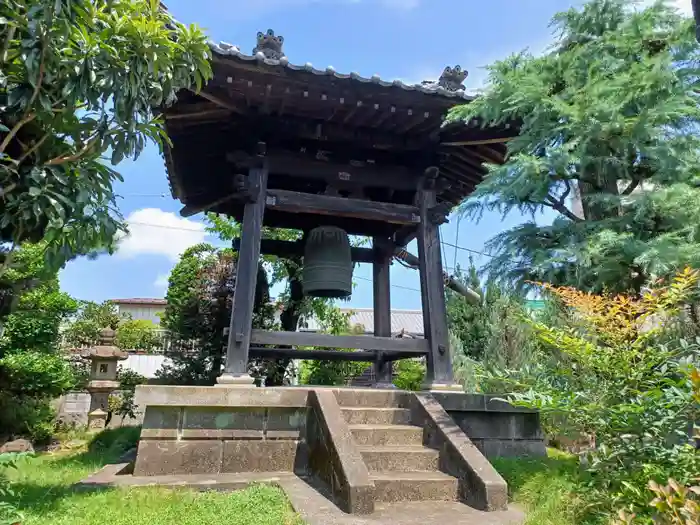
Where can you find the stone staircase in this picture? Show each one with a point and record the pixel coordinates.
(401, 467)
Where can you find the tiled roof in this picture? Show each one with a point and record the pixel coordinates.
(140, 300)
(429, 88)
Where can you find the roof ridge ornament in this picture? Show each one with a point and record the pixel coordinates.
(269, 45)
(452, 79)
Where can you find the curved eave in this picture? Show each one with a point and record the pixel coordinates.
(225, 50)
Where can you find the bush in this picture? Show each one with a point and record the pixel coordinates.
(31, 417)
(122, 404)
(605, 377)
(409, 374)
(675, 504)
(32, 373)
(136, 334)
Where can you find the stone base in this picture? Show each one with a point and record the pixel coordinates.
(233, 381)
(442, 387)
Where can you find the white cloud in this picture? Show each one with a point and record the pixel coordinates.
(161, 281)
(153, 231)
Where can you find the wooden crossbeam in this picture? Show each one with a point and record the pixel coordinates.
(297, 202)
(364, 342)
(326, 355)
(282, 248)
(368, 175)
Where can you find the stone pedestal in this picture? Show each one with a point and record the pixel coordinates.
(97, 420)
(103, 371)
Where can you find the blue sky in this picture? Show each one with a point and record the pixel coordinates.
(408, 39)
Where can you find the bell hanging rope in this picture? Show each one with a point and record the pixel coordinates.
(327, 268)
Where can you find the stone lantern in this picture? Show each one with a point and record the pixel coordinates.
(103, 377)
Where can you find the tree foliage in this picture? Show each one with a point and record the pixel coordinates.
(79, 80)
(91, 318)
(609, 113)
(39, 311)
(136, 334)
(611, 375)
(199, 302)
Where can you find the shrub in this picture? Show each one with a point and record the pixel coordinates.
(674, 504)
(136, 334)
(32, 417)
(409, 374)
(607, 377)
(122, 404)
(33, 373)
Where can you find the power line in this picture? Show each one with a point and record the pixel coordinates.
(467, 249)
(392, 285)
(165, 226)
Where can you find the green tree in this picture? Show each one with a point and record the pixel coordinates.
(610, 113)
(32, 369)
(136, 334)
(79, 80)
(199, 300)
(38, 312)
(91, 318)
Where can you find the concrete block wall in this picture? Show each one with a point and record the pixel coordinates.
(204, 440)
(497, 428)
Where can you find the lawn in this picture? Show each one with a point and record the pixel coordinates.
(546, 488)
(45, 496)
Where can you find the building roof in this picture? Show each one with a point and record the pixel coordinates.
(450, 83)
(345, 121)
(141, 301)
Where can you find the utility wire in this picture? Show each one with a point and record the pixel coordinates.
(451, 245)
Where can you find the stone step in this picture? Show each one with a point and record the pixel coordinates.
(371, 398)
(377, 416)
(414, 486)
(380, 435)
(400, 458)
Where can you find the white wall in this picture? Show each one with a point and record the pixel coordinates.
(142, 311)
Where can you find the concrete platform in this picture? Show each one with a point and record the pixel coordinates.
(308, 499)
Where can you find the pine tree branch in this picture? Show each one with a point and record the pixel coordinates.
(631, 187)
(558, 203)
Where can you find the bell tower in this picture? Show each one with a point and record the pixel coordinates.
(330, 155)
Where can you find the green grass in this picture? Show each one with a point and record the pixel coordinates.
(44, 495)
(547, 489)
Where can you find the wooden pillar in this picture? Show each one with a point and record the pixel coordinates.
(439, 375)
(236, 368)
(382, 308)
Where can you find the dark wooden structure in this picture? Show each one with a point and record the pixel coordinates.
(290, 146)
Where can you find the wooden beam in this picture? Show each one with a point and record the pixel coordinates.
(439, 362)
(236, 369)
(297, 202)
(382, 306)
(364, 342)
(452, 283)
(324, 355)
(189, 210)
(463, 155)
(497, 140)
(368, 175)
(405, 235)
(485, 153)
(282, 248)
(220, 99)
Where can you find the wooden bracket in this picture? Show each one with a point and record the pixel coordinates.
(430, 177)
(438, 214)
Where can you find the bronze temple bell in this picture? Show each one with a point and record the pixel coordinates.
(327, 268)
